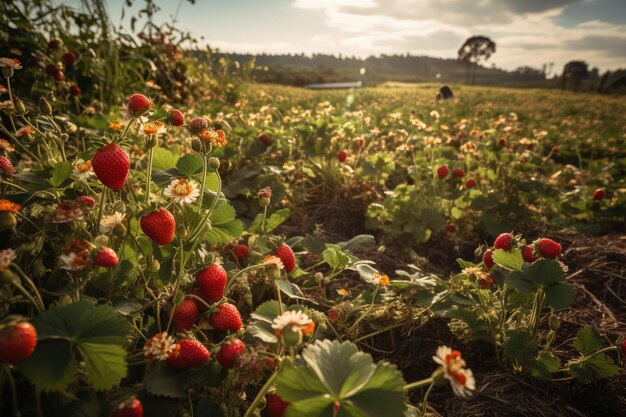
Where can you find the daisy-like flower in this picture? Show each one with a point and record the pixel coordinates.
(82, 169)
(275, 261)
(75, 256)
(116, 125)
(293, 320)
(460, 377)
(67, 211)
(153, 128)
(24, 131)
(110, 222)
(160, 347)
(10, 63)
(5, 145)
(216, 137)
(343, 292)
(6, 258)
(182, 191)
(434, 114)
(382, 280)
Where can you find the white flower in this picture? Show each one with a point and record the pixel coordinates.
(295, 320)
(72, 262)
(6, 257)
(434, 114)
(273, 260)
(461, 378)
(160, 347)
(108, 223)
(182, 191)
(82, 169)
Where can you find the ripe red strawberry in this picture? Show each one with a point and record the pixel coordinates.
(69, 58)
(54, 43)
(442, 171)
(52, 70)
(197, 125)
(470, 183)
(548, 248)
(138, 104)
(200, 294)
(275, 406)
(229, 352)
(528, 255)
(265, 139)
(287, 257)
(159, 226)
(105, 257)
(191, 353)
(504, 241)
(488, 259)
(459, 173)
(185, 315)
(599, 194)
(111, 164)
(6, 166)
(623, 347)
(487, 282)
(59, 76)
(74, 90)
(556, 150)
(502, 142)
(177, 118)
(226, 318)
(17, 342)
(450, 228)
(241, 251)
(342, 155)
(130, 408)
(212, 282)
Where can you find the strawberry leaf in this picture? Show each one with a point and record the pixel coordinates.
(224, 225)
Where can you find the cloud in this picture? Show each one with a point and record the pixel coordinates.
(526, 32)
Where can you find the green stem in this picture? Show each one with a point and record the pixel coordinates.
(203, 182)
(259, 397)
(27, 295)
(30, 283)
(149, 174)
(16, 410)
(418, 384)
(263, 220)
(181, 269)
(425, 401)
(101, 207)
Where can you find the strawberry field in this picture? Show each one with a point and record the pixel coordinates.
(178, 240)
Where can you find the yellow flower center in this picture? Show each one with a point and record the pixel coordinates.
(83, 167)
(183, 188)
(152, 128)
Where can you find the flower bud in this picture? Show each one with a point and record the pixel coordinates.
(155, 265)
(554, 323)
(214, 163)
(44, 106)
(20, 108)
(6, 277)
(7, 72)
(196, 145)
(8, 221)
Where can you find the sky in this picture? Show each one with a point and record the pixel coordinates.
(526, 32)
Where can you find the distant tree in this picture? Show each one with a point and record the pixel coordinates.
(529, 73)
(603, 81)
(574, 72)
(474, 50)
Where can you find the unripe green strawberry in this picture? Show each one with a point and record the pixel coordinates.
(212, 281)
(191, 353)
(6, 276)
(226, 318)
(229, 352)
(111, 164)
(17, 342)
(185, 315)
(287, 257)
(159, 226)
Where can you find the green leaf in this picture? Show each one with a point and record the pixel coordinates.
(545, 272)
(189, 164)
(105, 364)
(520, 346)
(587, 341)
(96, 333)
(263, 317)
(52, 366)
(224, 225)
(511, 260)
(335, 257)
(331, 371)
(359, 243)
(560, 295)
(272, 222)
(165, 381)
(519, 281)
(291, 289)
(162, 159)
(61, 172)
